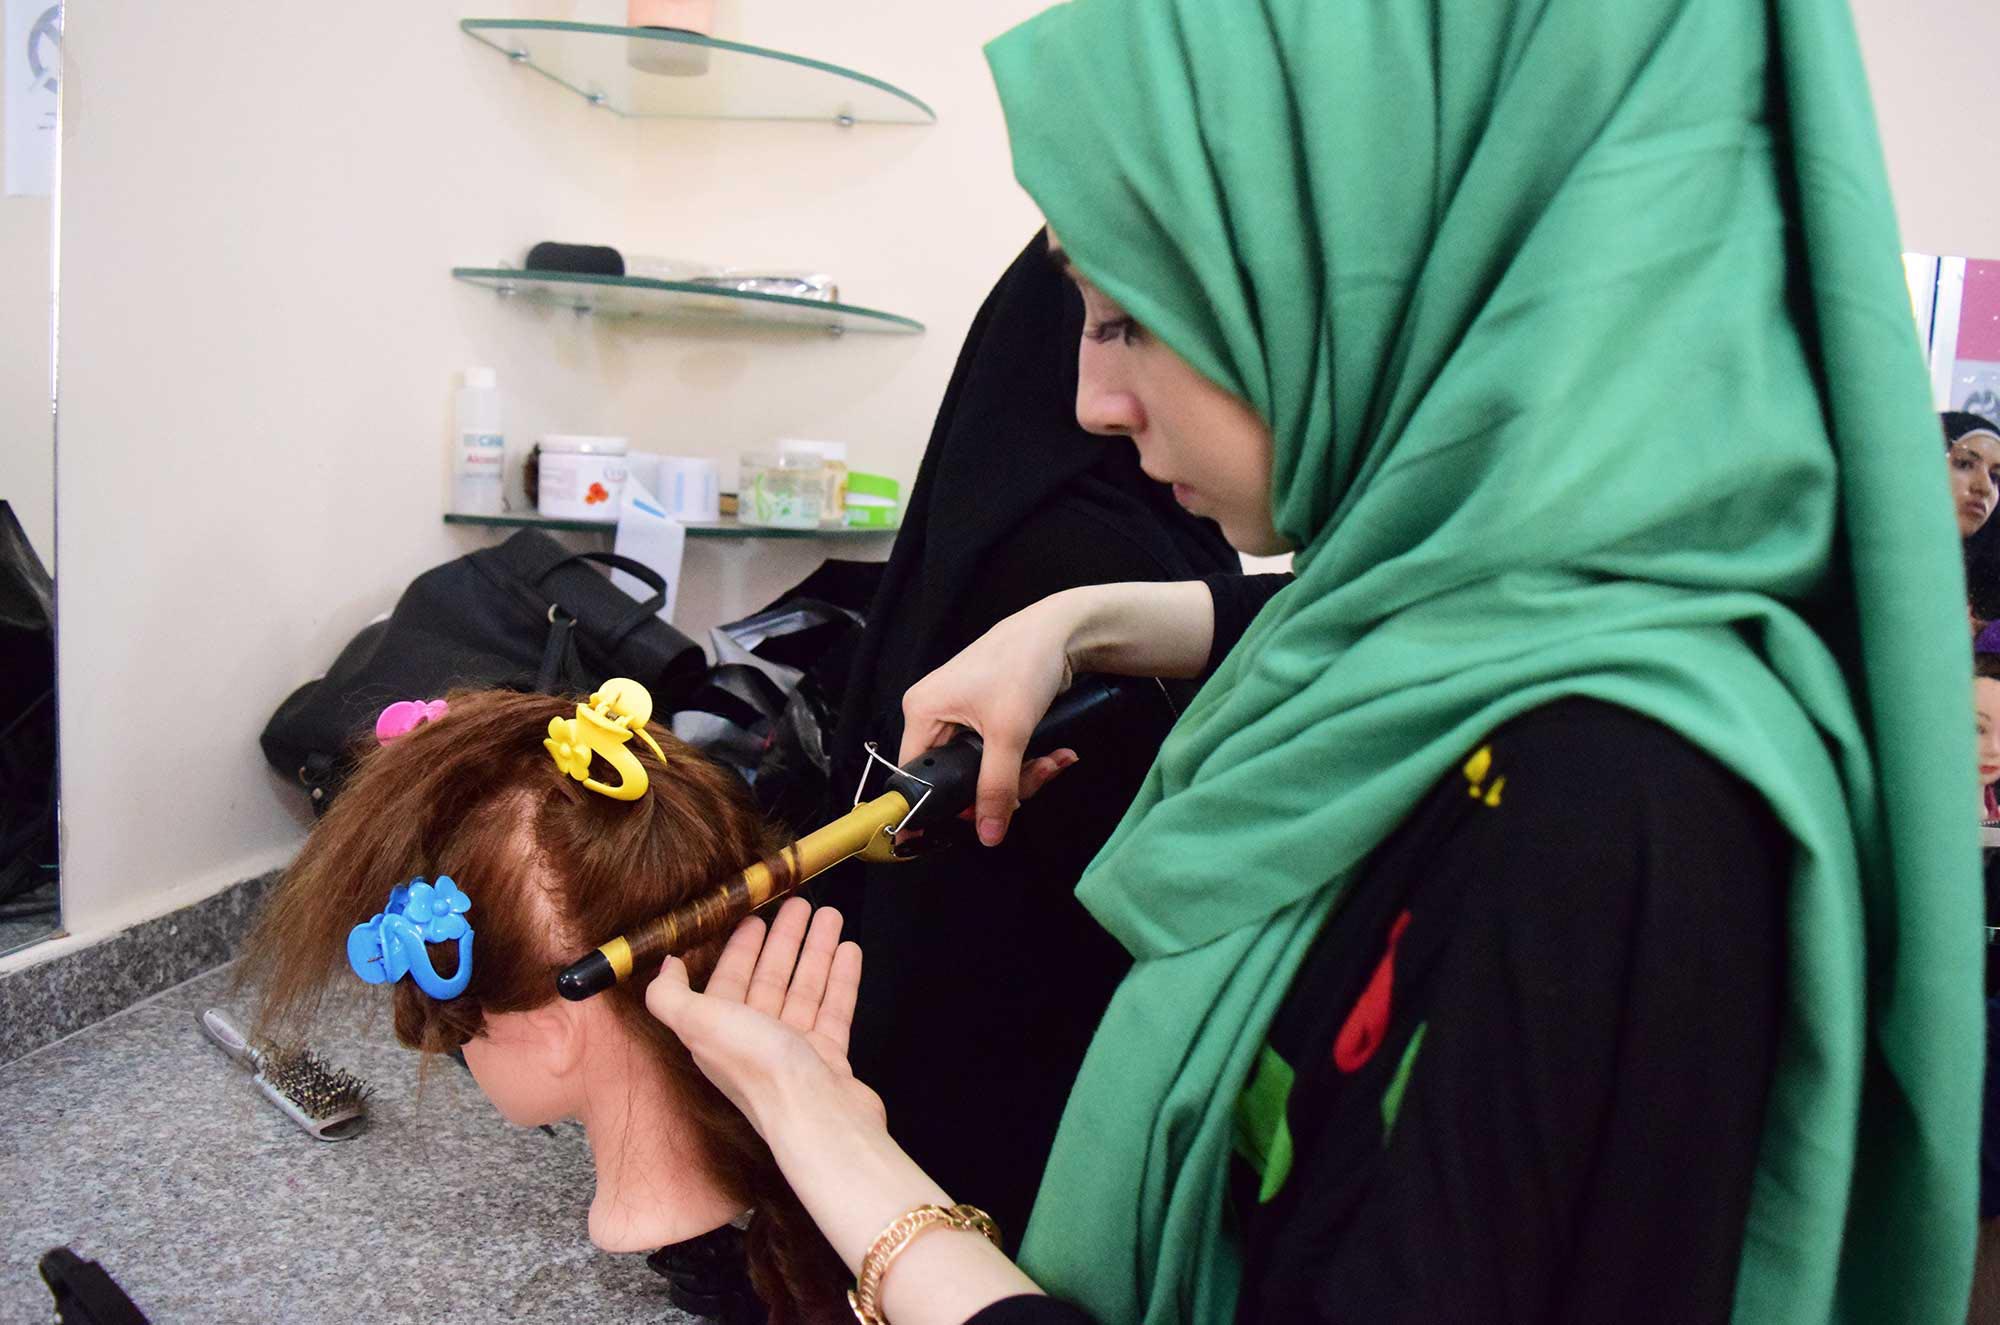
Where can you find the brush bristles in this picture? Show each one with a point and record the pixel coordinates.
(319, 1089)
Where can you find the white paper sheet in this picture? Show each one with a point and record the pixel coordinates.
(33, 63)
(646, 533)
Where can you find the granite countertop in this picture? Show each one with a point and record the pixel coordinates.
(138, 1145)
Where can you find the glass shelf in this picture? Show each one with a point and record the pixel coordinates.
(725, 528)
(701, 78)
(677, 301)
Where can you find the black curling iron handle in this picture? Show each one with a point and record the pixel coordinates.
(943, 783)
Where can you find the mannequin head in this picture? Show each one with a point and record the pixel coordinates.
(552, 869)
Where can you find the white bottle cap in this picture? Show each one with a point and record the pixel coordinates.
(824, 450)
(480, 379)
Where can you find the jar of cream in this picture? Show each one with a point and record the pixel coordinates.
(581, 477)
(783, 491)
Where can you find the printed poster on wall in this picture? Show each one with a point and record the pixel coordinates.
(1975, 371)
(32, 71)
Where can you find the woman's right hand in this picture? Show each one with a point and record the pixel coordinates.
(1005, 680)
(999, 686)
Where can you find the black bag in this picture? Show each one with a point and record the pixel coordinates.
(527, 615)
(27, 715)
(766, 709)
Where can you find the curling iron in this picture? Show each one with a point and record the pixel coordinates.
(931, 789)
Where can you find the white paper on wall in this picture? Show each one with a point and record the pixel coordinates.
(33, 64)
(648, 534)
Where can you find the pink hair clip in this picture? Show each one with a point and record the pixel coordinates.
(400, 719)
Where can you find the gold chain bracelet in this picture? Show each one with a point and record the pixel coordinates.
(866, 1295)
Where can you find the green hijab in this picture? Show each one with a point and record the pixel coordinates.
(1580, 332)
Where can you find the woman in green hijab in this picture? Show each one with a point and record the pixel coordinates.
(1559, 903)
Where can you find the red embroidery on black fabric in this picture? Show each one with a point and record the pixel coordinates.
(1368, 1024)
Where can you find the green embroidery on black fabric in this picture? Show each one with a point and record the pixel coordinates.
(1392, 1098)
(1262, 1136)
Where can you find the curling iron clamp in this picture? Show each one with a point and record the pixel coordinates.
(931, 789)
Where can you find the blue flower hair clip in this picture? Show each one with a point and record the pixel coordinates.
(393, 943)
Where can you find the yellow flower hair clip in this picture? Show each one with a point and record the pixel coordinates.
(619, 710)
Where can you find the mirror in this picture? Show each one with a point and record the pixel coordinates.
(29, 144)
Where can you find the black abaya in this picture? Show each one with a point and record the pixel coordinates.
(984, 978)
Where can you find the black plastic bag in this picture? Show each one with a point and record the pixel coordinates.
(768, 706)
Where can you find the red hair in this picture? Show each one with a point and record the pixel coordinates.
(475, 796)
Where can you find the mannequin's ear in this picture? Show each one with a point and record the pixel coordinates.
(561, 1031)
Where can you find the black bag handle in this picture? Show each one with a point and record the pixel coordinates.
(638, 570)
(559, 660)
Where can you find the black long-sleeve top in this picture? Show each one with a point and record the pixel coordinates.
(1527, 1068)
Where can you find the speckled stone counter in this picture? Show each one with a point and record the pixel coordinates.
(44, 1002)
(139, 1145)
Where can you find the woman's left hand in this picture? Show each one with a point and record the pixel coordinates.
(771, 1027)
(771, 1032)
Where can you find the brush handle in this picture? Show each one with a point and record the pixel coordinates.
(229, 1037)
(338, 1125)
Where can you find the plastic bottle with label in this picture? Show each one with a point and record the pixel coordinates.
(479, 455)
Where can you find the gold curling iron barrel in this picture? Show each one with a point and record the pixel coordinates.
(930, 789)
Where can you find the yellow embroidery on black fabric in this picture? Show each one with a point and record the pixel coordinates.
(1476, 770)
(1477, 767)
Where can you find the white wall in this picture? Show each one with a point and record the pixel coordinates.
(1932, 65)
(260, 336)
(27, 441)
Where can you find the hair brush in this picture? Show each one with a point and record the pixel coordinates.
(326, 1102)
